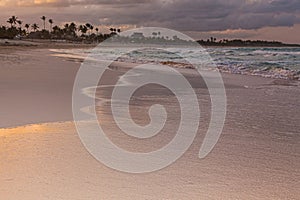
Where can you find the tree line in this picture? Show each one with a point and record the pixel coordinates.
(69, 31)
(243, 43)
(88, 33)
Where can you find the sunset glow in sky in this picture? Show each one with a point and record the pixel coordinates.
(245, 19)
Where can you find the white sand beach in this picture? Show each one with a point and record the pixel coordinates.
(42, 157)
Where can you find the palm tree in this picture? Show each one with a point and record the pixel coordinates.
(44, 20)
(56, 29)
(73, 29)
(20, 25)
(35, 27)
(83, 29)
(88, 26)
(92, 28)
(80, 28)
(57, 32)
(27, 27)
(97, 36)
(66, 26)
(12, 20)
(50, 22)
(154, 34)
(66, 29)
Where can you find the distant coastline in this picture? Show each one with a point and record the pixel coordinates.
(44, 43)
(244, 43)
(91, 34)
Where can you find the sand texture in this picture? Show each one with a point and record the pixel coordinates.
(41, 156)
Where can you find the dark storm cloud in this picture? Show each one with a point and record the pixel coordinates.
(201, 15)
(100, 2)
(183, 15)
(232, 14)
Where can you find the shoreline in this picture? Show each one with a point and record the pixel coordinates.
(266, 70)
(257, 156)
(35, 86)
(43, 55)
(40, 43)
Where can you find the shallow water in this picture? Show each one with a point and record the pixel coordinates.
(283, 62)
(257, 156)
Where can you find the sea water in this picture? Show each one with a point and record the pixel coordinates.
(273, 62)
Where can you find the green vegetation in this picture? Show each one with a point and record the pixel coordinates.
(89, 34)
(70, 32)
(244, 43)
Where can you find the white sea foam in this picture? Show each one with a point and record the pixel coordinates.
(268, 62)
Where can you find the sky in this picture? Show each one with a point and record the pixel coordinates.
(200, 19)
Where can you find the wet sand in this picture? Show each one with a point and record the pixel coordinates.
(257, 156)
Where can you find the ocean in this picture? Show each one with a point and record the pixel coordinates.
(271, 62)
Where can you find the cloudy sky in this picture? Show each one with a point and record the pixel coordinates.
(245, 19)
